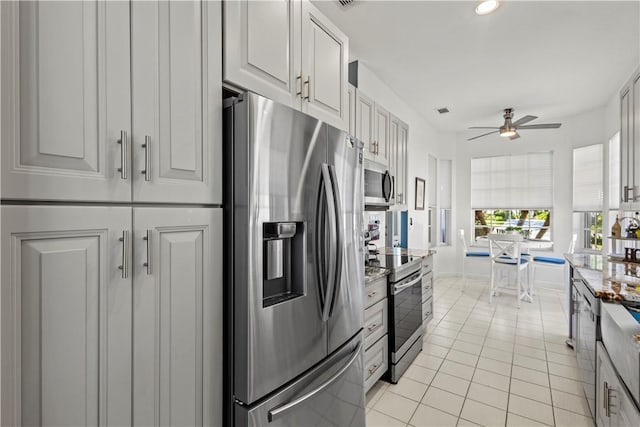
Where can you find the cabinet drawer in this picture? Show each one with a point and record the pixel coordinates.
(375, 362)
(427, 263)
(375, 322)
(375, 292)
(427, 287)
(427, 311)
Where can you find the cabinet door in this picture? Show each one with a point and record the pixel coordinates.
(365, 124)
(635, 164)
(626, 144)
(382, 126)
(352, 109)
(66, 316)
(394, 131)
(401, 174)
(177, 102)
(65, 100)
(262, 48)
(325, 54)
(177, 351)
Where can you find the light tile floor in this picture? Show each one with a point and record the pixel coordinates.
(487, 364)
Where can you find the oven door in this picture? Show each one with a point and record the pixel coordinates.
(406, 313)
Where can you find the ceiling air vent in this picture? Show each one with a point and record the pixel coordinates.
(442, 110)
(345, 3)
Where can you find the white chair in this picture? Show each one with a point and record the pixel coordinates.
(554, 263)
(469, 254)
(506, 255)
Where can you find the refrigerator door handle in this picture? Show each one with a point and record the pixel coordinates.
(278, 412)
(320, 252)
(331, 211)
(339, 237)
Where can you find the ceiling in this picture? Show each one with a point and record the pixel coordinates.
(551, 59)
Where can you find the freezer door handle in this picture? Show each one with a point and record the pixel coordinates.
(333, 239)
(280, 411)
(339, 238)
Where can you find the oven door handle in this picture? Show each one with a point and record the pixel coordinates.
(399, 288)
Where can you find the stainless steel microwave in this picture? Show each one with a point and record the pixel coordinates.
(378, 185)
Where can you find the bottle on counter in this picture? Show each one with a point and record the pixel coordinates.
(616, 229)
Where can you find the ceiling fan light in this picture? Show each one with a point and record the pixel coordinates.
(507, 132)
(487, 7)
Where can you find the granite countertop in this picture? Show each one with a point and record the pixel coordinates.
(609, 281)
(405, 252)
(373, 273)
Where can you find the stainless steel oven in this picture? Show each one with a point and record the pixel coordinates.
(405, 321)
(378, 185)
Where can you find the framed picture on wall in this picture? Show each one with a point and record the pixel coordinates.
(419, 194)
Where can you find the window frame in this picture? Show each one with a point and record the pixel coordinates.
(501, 228)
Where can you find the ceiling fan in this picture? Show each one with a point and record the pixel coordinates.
(509, 129)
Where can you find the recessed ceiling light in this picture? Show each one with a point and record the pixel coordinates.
(487, 6)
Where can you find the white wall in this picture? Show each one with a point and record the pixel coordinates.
(423, 140)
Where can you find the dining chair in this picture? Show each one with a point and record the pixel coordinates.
(538, 261)
(469, 254)
(506, 254)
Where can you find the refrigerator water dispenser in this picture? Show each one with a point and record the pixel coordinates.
(283, 262)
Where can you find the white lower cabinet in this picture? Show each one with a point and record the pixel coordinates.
(614, 406)
(376, 338)
(92, 335)
(427, 290)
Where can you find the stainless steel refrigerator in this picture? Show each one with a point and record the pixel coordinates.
(295, 261)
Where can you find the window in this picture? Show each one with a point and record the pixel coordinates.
(513, 193)
(531, 223)
(588, 195)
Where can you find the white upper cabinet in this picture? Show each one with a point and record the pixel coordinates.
(74, 74)
(66, 316)
(261, 47)
(325, 55)
(65, 100)
(365, 124)
(177, 115)
(381, 138)
(630, 143)
(286, 50)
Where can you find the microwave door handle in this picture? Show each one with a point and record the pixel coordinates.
(338, 244)
(331, 214)
(278, 412)
(387, 186)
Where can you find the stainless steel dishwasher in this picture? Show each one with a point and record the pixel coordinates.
(587, 332)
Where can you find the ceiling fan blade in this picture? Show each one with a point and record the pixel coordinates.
(484, 134)
(523, 120)
(542, 126)
(516, 136)
(485, 127)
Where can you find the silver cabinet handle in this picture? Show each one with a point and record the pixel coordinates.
(307, 84)
(299, 85)
(147, 158)
(147, 238)
(373, 369)
(124, 156)
(372, 294)
(373, 327)
(125, 254)
(276, 413)
(627, 190)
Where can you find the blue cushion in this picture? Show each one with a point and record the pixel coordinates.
(478, 253)
(549, 259)
(509, 260)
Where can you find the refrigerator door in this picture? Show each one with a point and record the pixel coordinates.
(345, 162)
(278, 332)
(332, 394)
